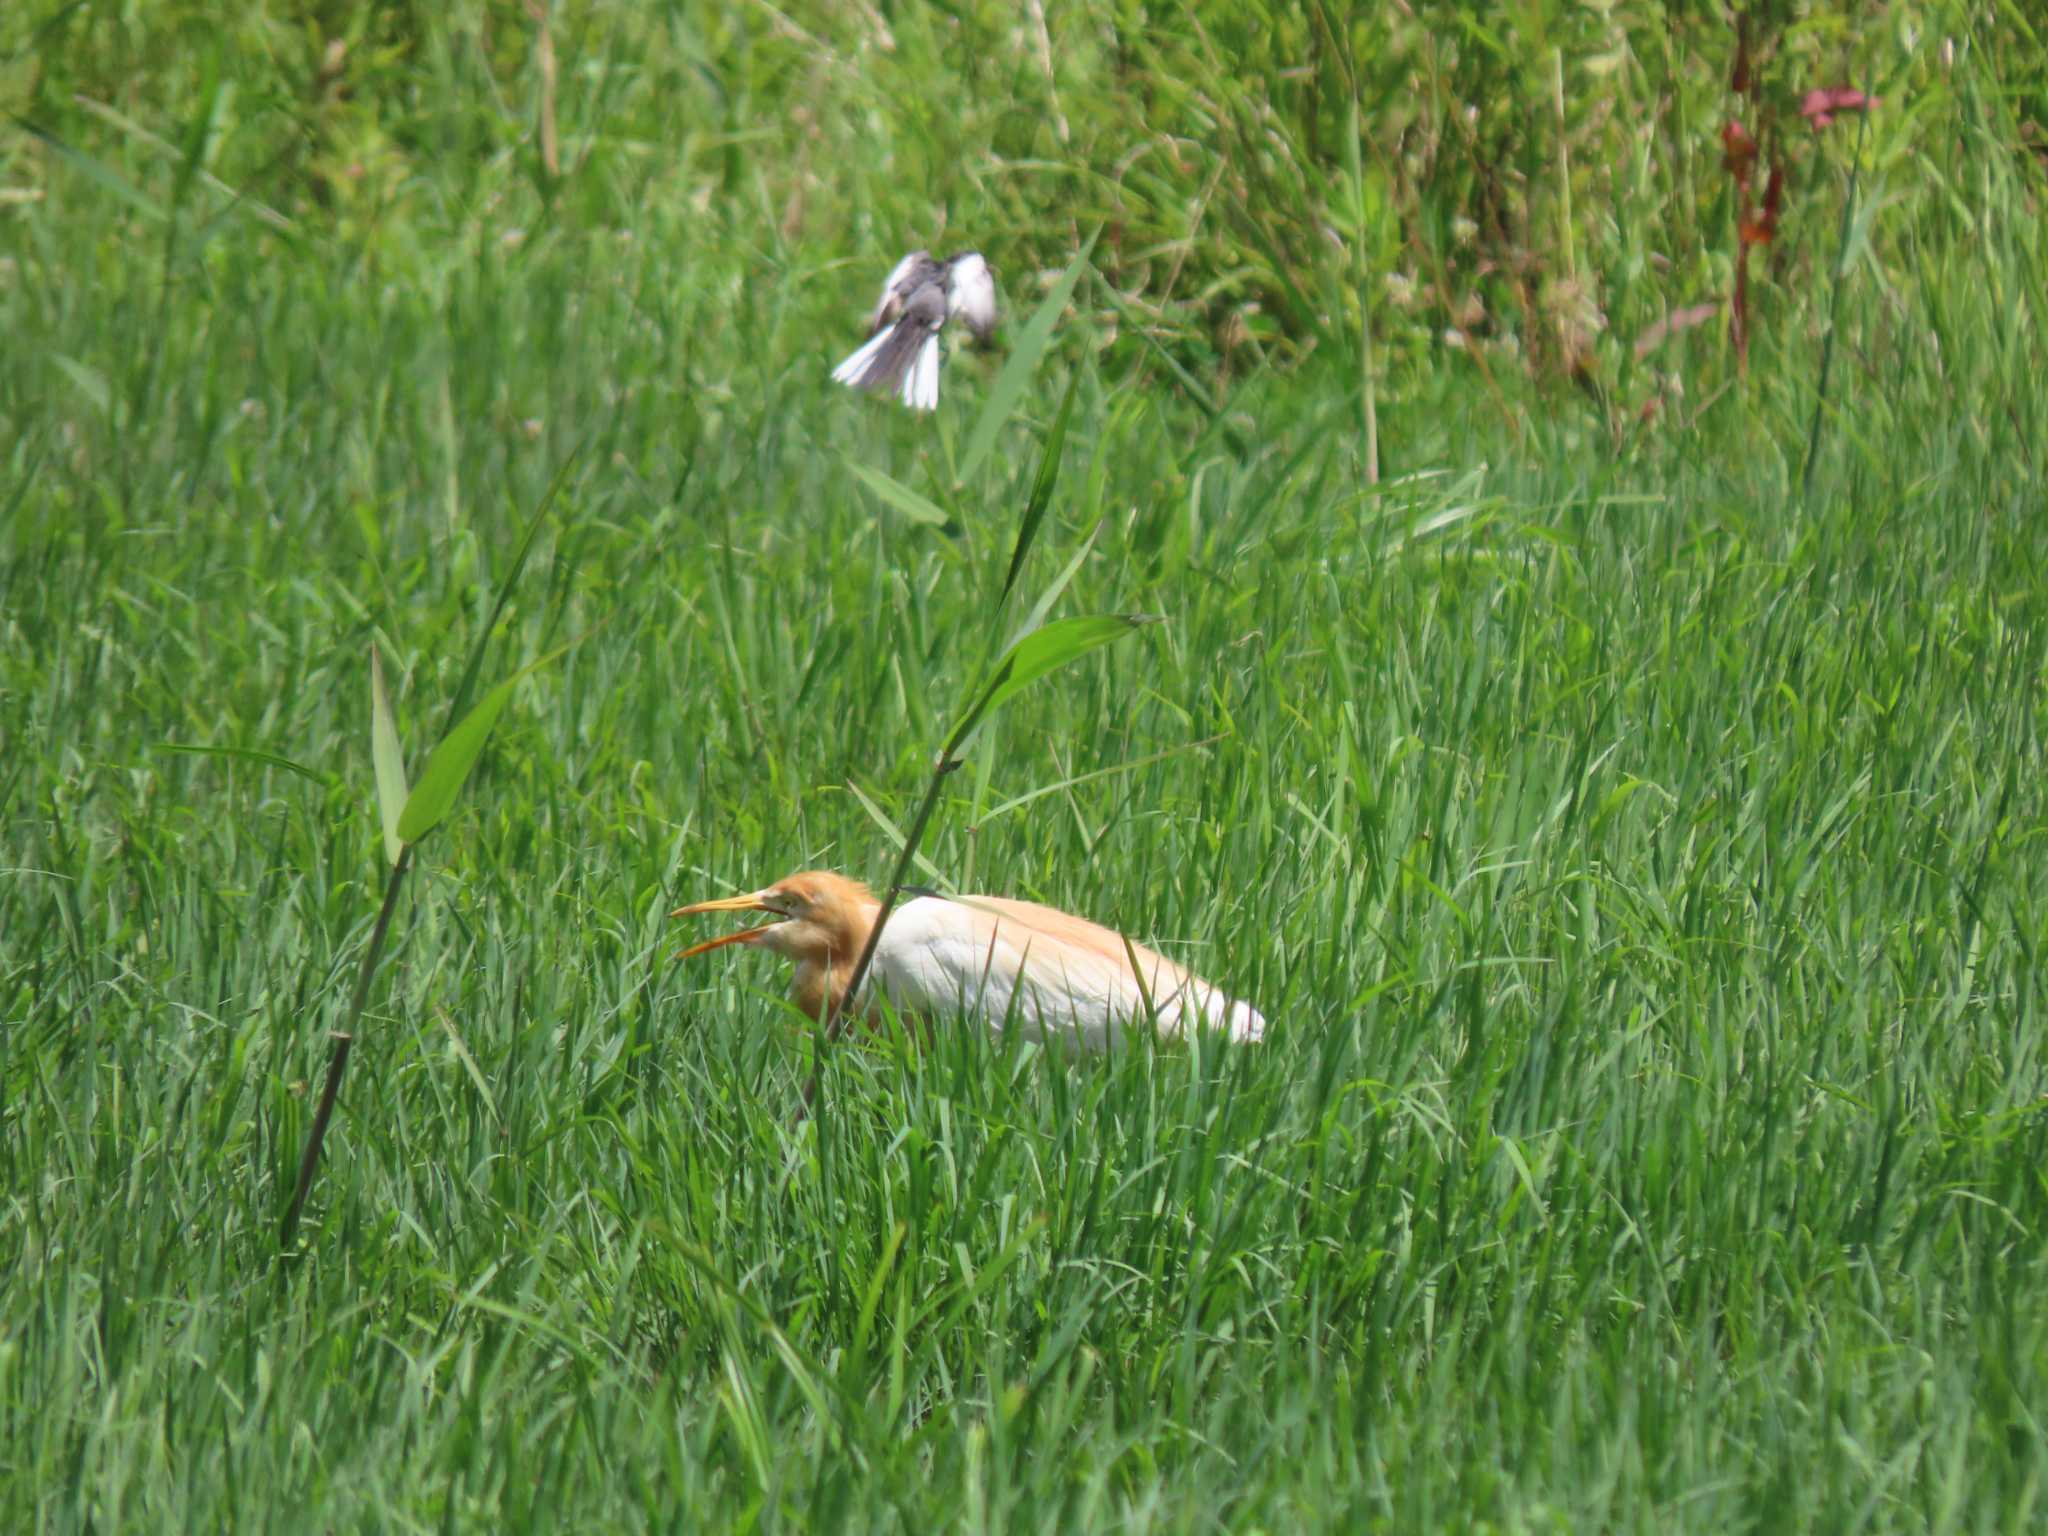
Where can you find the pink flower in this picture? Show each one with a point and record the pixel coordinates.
(1819, 107)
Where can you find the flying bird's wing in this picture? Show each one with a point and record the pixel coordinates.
(909, 274)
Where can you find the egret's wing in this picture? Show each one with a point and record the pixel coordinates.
(941, 957)
(1051, 974)
(1172, 989)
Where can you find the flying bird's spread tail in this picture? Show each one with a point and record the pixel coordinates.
(900, 359)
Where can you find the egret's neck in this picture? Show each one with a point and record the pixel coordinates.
(820, 986)
(821, 980)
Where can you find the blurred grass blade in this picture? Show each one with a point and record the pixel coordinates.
(389, 758)
(1041, 491)
(1836, 283)
(504, 594)
(1023, 362)
(1052, 593)
(93, 171)
(1368, 396)
(90, 381)
(1037, 654)
(235, 197)
(1133, 323)
(246, 754)
(200, 132)
(900, 496)
(894, 833)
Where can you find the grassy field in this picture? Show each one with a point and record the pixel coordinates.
(1638, 844)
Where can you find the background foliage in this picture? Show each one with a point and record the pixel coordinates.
(1637, 847)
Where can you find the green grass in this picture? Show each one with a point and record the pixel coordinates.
(1644, 868)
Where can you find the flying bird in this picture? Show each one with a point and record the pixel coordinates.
(901, 354)
(999, 961)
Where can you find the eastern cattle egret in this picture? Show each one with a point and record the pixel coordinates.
(983, 957)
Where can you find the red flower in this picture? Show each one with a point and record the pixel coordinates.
(1738, 151)
(1762, 229)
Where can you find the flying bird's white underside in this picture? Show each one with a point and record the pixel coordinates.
(971, 294)
(1017, 964)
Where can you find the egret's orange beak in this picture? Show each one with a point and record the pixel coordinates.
(757, 901)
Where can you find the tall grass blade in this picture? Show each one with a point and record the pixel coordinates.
(1839, 281)
(506, 584)
(1041, 490)
(1023, 362)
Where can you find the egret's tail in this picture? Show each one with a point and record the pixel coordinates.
(1199, 1004)
(1232, 1016)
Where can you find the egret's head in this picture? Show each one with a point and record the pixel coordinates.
(818, 917)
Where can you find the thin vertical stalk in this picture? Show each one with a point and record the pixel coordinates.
(945, 765)
(344, 1039)
(1827, 346)
(1368, 390)
(834, 1021)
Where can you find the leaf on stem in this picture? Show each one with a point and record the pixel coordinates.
(1052, 593)
(389, 758)
(448, 766)
(900, 496)
(1036, 654)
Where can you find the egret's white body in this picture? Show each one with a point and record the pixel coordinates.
(1006, 964)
